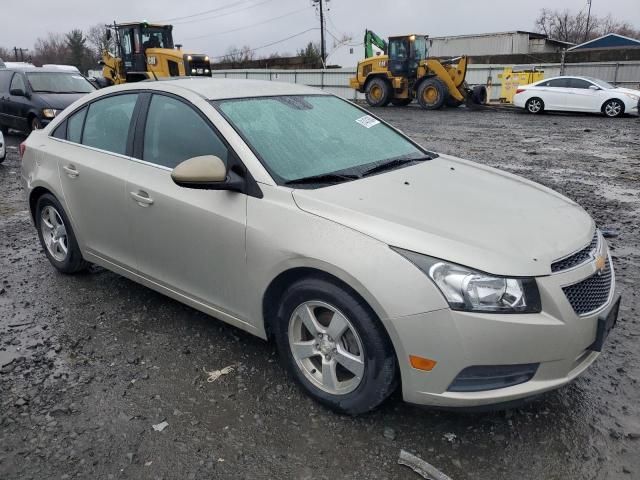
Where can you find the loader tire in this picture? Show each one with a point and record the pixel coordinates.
(378, 92)
(479, 95)
(432, 94)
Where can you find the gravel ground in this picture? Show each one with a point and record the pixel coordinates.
(89, 363)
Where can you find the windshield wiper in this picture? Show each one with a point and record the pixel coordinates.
(323, 178)
(394, 163)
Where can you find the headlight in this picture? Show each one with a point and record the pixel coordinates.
(49, 112)
(470, 290)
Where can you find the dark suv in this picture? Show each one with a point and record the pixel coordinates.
(31, 97)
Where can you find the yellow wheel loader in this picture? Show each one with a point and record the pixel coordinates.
(143, 51)
(405, 71)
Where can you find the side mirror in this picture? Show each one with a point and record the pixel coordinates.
(18, 92)
(593, 87)
(206, 172)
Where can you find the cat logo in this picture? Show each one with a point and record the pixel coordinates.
(601, 263)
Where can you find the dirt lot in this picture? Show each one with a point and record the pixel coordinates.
(89, 363)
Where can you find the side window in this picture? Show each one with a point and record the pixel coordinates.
(559, 83)
(5, 79)
(107, 124)
(543, 84)
(579, 83)
(175, 132)
(18, 82)
(74, 126)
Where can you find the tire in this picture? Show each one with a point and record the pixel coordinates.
(432, 94)
(364, 339)
(479, 95)
(51, 221)
(613, 108)
(34, 124)
(378, 92)
(534, 105)
(401, 102)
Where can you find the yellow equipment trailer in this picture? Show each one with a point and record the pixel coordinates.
(146, 51)
(405, 71)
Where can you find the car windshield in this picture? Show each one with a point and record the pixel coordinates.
(600, 83)
(58, 82)
(316, 136)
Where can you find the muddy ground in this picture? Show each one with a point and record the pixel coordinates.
(89, 363)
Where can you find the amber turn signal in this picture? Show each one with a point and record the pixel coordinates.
(420, 363)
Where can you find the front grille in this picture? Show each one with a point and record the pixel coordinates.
(577, 258)
(590, 294)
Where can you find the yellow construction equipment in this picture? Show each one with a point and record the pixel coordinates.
(143, 51)
(512, 77)
(405, 71)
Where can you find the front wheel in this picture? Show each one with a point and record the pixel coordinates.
(534, 105)
(432, 94)
(378, 92)
(57, 237)
(335, 347)
(613, 108)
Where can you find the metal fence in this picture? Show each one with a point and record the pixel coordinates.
(336, 81)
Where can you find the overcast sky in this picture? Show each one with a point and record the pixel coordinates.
(262, 22)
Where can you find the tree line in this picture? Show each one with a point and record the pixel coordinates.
(579, 27)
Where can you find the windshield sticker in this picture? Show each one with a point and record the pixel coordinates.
(77, 77)
(367, 121)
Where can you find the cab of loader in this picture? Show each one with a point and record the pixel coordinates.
(143, 51)
(405, 54)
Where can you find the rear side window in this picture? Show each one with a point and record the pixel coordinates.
(5, 79)
(108, 122)
(559, 83)
(174, 132)
(74, 126)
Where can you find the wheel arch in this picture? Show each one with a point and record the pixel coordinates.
(34, 195)
(371, 76)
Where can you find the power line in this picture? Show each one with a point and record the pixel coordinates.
(204, 13)
(249, 26)
(272, 43)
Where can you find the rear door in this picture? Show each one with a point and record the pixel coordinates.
(93, 163)
(191, 241)
(555, 94)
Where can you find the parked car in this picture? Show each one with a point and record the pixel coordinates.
(31, 97)
(3, 149)
(577, 94)
(299, 217)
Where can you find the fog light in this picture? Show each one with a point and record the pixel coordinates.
(492, 377)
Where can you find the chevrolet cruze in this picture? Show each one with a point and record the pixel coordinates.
(300, 217)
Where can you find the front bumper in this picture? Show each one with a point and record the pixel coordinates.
(557, 339)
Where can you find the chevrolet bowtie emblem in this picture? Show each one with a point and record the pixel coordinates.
(600, 263)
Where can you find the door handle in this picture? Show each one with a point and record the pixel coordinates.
(142, 197)
(71, 171)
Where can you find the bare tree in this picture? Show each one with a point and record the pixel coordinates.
(97, 40)
(51, 49)
(572, 27)
(238, 56)
(5, 54)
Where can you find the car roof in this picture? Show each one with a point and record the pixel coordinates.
(41, 70)
(224, 88)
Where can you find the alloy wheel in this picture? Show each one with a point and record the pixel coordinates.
(54, 233)
(612, 109)
(326, 347)
(534, 105)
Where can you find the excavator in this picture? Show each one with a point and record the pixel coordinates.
(145, 51)
(405, 71)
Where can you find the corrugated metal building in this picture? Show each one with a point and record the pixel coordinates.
(501, 43)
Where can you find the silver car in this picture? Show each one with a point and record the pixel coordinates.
(304, 219)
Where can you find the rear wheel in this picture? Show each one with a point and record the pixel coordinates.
(378, 92)
(57, 237)
(334, 346)
(534, 105)
(401, 102)
(613, 108)
(432, 93)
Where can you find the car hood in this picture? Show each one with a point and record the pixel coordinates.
(459, 211)
(630, 91)
(59, 101)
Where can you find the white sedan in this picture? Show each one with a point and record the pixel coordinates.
(577, 94)
(3, 149)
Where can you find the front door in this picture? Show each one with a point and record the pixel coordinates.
(191, 241)
(93, 164)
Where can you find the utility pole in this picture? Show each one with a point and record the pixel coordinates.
(586, 30)
(323, 52)
(22, 51)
